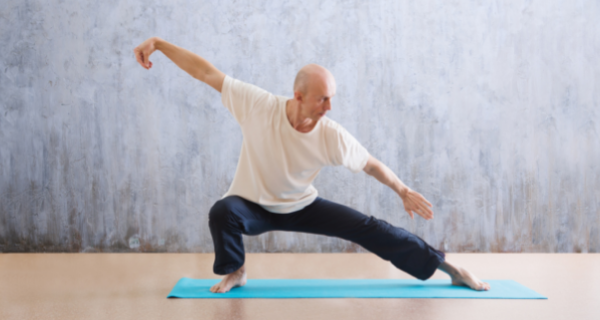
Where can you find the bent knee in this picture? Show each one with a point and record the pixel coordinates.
(221, 210)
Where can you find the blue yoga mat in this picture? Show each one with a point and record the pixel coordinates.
(351, 288)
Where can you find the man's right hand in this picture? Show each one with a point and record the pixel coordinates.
(144, 50)
(193, 64)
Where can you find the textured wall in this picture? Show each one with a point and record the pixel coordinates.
(489, 109)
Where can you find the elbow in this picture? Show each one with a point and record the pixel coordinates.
(199, 75)
(371, 164)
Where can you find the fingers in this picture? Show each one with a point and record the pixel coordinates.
(427, 215)
(422, 208)
(142, 59)
(145, 60)
(415, 202)
(422, 211)
(424, 200)
(139, 56)
(426, 210)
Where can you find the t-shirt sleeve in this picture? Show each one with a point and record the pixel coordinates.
(346, 150)
(241, 98)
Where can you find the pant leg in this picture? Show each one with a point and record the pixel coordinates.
(403, 249)
(228, 219)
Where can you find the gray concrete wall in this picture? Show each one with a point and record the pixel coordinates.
(489, 109)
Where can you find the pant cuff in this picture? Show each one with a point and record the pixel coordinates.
(227, 269)
(434, 263)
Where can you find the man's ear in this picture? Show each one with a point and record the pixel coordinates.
(298, 96)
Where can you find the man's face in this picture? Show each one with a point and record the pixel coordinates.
(317, 101)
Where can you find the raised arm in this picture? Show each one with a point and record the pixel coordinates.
(413, 201)
(193, 64)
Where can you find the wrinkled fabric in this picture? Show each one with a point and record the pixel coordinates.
(233, 216)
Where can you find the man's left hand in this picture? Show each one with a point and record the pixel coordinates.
(414, 202)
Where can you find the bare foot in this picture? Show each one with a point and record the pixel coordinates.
(462, 277)
(466, 278)
(234, 279)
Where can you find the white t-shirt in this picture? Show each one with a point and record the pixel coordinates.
(277, 163)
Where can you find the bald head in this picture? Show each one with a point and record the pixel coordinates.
(313, 89)
(312, 75)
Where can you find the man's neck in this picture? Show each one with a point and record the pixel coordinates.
(295, 117)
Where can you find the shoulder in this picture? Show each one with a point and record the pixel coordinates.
(329, 124)
(244, 99)
(238, 90)
(232, 83)
(332, 127)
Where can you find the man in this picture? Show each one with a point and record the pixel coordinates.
(286, 143)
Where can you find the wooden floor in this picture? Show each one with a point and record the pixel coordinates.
(135, 286)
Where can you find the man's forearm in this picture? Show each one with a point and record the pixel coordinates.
(386, 176)
(190, 62)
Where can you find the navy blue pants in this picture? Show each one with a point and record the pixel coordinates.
(233, 216)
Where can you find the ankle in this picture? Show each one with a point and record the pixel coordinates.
(450, 269)
(242, 269)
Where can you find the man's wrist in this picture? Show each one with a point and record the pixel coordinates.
(401, 189)
(158, 42)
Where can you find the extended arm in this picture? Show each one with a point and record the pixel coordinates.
(193, 64)
(413, 201)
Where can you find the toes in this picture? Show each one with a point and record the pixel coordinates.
(484, 286)
(222, 290)
(475, 284)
